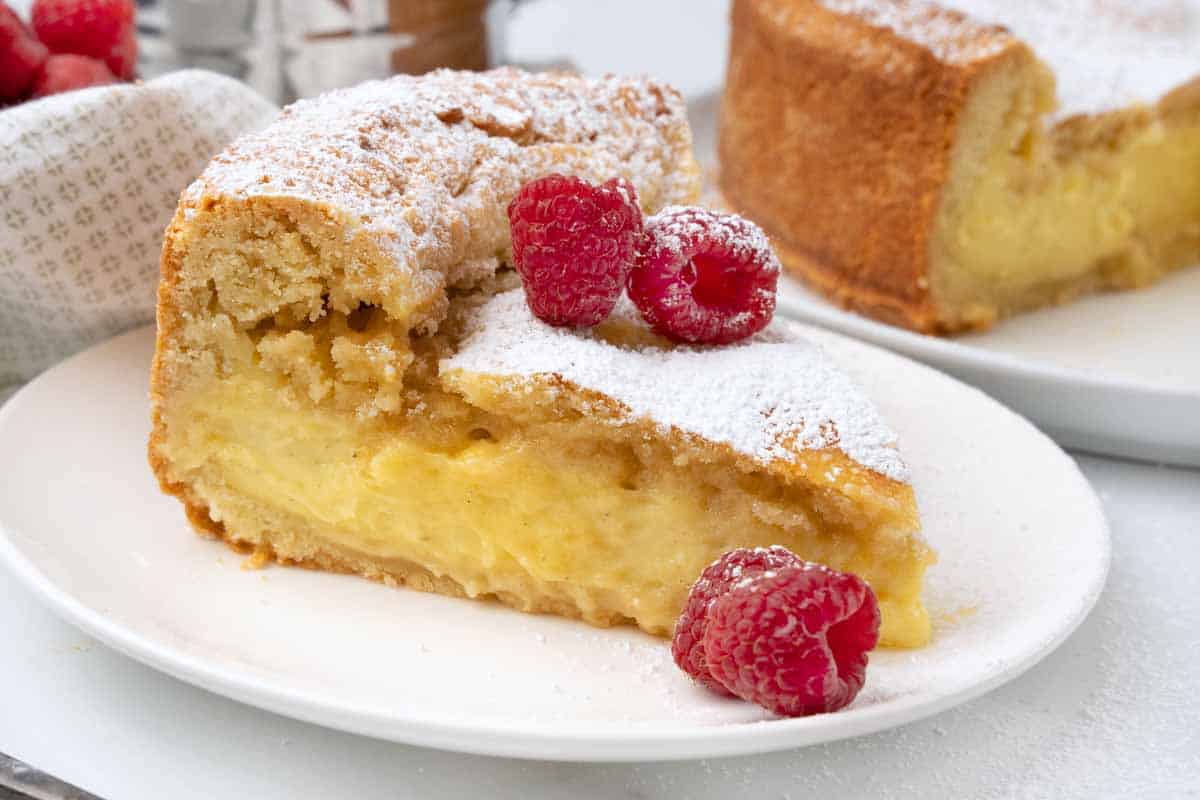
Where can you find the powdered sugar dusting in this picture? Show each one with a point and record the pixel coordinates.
(677, 236)
(949, 36)
(674, 224)
(1105, 54)
(769, 397)
(425, 165)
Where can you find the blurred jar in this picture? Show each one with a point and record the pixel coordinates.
(297, 48)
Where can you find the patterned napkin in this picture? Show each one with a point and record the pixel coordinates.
(88, 182)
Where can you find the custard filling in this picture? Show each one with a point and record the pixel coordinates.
(554, 513)
(1036, 215)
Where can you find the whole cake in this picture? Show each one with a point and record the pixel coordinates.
(922, 165)
(347, 377)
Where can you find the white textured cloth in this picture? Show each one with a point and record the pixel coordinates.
(88, 182)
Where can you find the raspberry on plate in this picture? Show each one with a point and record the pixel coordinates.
(21, 56)
(705, 277)
(102, 29)
(793, 640)
(67, 72)
(687, 643)
(574, 244)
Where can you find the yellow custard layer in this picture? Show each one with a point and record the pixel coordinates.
(1125, 208)
(1036, 216)
(562, 517)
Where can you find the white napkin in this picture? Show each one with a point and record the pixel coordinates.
(88, 182)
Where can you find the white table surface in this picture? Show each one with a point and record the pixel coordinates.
(1113, 713)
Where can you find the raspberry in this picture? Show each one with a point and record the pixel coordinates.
(704, 277)
(574, 244)
(687, 644)
(122, 59)
(21, 56)
(793, 640)
(67, 72)
(102, 29)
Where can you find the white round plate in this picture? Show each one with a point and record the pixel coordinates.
(1116, 373)
(1022, 541)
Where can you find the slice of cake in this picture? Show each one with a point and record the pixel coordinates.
(346, 378)
(918, 164)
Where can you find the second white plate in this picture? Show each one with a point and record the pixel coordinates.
(1022, 543)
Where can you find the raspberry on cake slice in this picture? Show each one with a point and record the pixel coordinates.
(574, 244)
(696, 276)
(705, 277)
